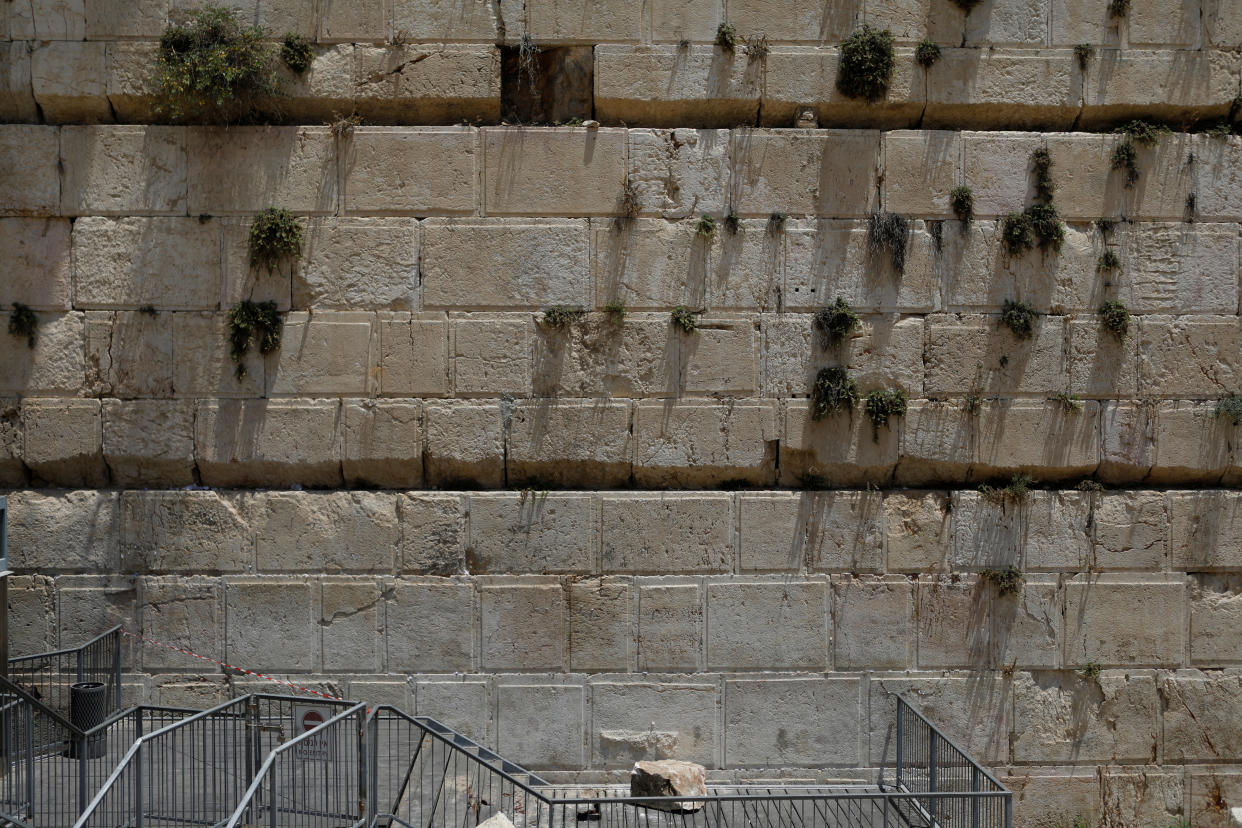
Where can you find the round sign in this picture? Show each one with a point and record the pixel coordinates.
(311, 719)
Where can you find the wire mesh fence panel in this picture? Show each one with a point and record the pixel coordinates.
(48, 677)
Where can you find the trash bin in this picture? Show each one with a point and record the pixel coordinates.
(88, 707)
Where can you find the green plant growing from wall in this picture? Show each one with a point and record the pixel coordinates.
(148, 310)
(1109, 262)
(726, 37)
(559, 317)
(926, 53)
(685, 318)
(213, 68)
(706, 227)
(1089, 485)
(962, 200)
(1047, 226)
(1115, 318)
(732, 223)
(1007, 581)
(615, 308)
(1135, 134)
(835, 322)
(1118, 8)
(834, 390)
(1192, 206)
(1125, 157)
(889, 233)
(776, 223)
(1017, 234)
(1091, 671)
(275, 237)
(757, 47)
(1068, 400)
(23, 322)
(251, 324)
(1018, 487)
(297, 53)
(1018, 317)
(1229, 407)
(1083, 52)
(1041, 163)
(881, 405)
(866, 63)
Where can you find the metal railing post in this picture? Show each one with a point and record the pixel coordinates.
(138, 787)
(272, 804)
(933, 802)
(899, 752)
(30, 763)
(83, 765)
(974, 800)
(80, 653)
(116, 666)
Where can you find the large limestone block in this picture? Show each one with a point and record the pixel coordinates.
(797, 77)
(465, 445)
(464, 704)
(966, 624)
(429, 627)
(68, 531)
(997, 168)
(324, 354)
(421, 172)
(131, 84)
(1166, 84)
(664, 86)
(433, 533)
(29, 170)
(883, 352)
(1122, 620)
(168, 263)
(650, 264)
(68, 78)
(1222, 23)
(17, 103)
(1087, 186)
(872, 623)
(149, 442)
(1024, 89)
(696, 443)
(916, 531)
(1218, 170)
(599, 627)
(334, 532)
(413, 354)
(1192, 444)
(1042, 531)
(829, 173)
(32, 611)
(1180, 272)
(827, 259)
(359, 264)
(839, 450)
(184, 612)
(1129, 531)
(636, 721)
(1044, 438)
(446, 20)
(811, 532)
(720, 358)
(184, 531)
(268, 443)
(382, 443)
(246, 169)
(106, 20)
(1062, 717)
(504, 265)
(920, 169)
(55, 365)
(769, 625)
(491, 356)
(212, 372)
(544, 723)
(427, 84)
(1168, 177)
(321, 93)
(351, 616)
(1058, 793)
(256, 284)
(1190, 356)
(1097, 363)
(1205, 531)
(670, 627)
(573, 21)
(976, 709)
(270, 624)
(679, 173)
(1127, 442)
(89, 605)
(1201, 716)
(747, 268)
(570, 443)
(64, 441)
(666, 533)
(129, 354)
(798, 20)
(1176, 23)
(601, 356)
(12, 472)
(522, 627)
(998, 23)
(792, 722)
(531, 532)
(1215, 620)
(559, 172)
(46, 20)
(123, 170)
(669, 777)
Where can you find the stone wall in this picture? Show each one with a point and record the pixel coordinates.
(617, 539)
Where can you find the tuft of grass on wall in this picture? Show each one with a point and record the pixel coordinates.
(835, 322)
(834, 390)
(297, 53)
(866, 63)
(252, 324)
(1115, 318)
(1018, 317)
(275, 237)
(24, 322)
(889, 233)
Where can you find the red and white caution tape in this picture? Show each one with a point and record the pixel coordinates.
(192, 654)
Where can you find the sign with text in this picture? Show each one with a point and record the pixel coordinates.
(308, 717)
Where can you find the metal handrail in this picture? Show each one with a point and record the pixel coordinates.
(901, 702)
(68, 650)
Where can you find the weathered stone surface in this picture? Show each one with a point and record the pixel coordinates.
(1137, 80)
(433, 533)
(796, 78)
(600, 356)
(770, 625)
(90, 605)
(667, 533)
(693, 443)
(73, 531)
(32, 614)
(569, 443)
(811, 532)
(184, 612)
(55, 365)
(271, 624)
(329, 532)
(721, 358)
(430, 84)
(68, 80)
(505, 265)
(669, 777)
(1048, 439)
(17, 102)
(872, 623)
(793, 722)
(123, 170)
(1192, 444)
(1000, 630)
(974, 353)
(435, 171)
(543, 722)
(38, 256)
(598, 625)
(186, 531)
(429, 627)
(664, 86)
(491, 356)
(268, 442)
(1121, 620)
(12, 472)
(1062, 717)
(561, 172)
(324, 354)
(650, 264)
(830, 173)
(247, 169)
(212, 372)
(971, 88)
(129, 354)
(1129, 531)
(522, 627)
(1215, 620)
(838, 450)
(532, 532)
(465, 444)
(679, 173)
(413, 354)
(168, 263)
(1205, 531)
(29, 170)
(351, 617)
(359, 264)
(382, 443)
(670, 627)
(883, 352)
(64, 441)
(1201, 715)
(464, 705)
(976, 709)
(1127, 446)
(680, 715)
(920, 168)
(149, 442)
(917, 531)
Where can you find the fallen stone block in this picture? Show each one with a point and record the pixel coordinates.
(669, 777)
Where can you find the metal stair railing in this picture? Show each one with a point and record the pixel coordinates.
(48, 676)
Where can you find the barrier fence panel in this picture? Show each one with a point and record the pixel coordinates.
(48, 677)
